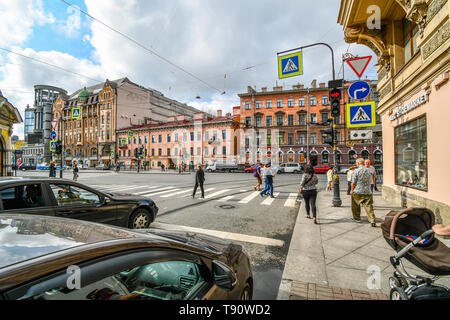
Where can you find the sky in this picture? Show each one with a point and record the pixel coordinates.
(212, 49)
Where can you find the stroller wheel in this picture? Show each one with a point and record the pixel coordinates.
(397, 282)
(398, 294)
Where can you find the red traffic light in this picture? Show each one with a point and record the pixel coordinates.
(335, 94)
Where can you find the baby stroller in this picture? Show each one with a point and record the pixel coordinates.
(409, 232)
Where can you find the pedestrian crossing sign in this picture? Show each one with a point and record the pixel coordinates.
(53, 146)
(290, 65)
(130, 134)
(361, 115)
(76, 113)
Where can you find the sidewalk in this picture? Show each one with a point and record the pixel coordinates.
(331, 260)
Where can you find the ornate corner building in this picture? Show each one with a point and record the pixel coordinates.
(411, 39)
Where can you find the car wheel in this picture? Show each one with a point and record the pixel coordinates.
(279, 172)
(296, 171)
(246, 293)
(140, 219)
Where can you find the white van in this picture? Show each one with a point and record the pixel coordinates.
(291, 168)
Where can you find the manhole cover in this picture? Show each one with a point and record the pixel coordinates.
(227, 206)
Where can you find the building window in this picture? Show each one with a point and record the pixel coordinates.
(224, 150)
(410, 35)
(248, 121)
(281, 138)
(247, 106)
(192, 136)
(168, 137)
(206, 151)
(378, 157)
(160, 138)
(313, 118)
(199, 136)
(301, 138)
(258, 121)
(176, 137)
(313, 138)
(351, 157)
(302, 119)
(153, 152)
(140, 140)
(145, 139)
(280, 103)
(411, 163)
(269, 139)
(160, 152)
(290, 102)
(206, 135)
(153, 139)
(365, 154)
(269, 121)
(199, 151)
(313, 101)
(258, 104)
(269, 104)
(324, 117)
(224, 135)
(168, 152)
(301, 102)
(280, 119)
(290, 138)
(184, 136)
(290, 120)
(325, 157)
(325, 100)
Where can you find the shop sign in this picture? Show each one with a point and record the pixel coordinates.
(410, 106)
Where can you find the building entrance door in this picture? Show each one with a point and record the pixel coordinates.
(314, 160)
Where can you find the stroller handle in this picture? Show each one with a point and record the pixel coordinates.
(424, 235)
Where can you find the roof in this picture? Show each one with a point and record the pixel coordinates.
(97, 88)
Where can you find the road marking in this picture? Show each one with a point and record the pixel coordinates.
(176, 193)
(225, 199)
(119, 187)
(250, 197)
(198, 189)
(160, 192)
(221, 234)
(269, 200)
(290, 202)
(216, 193)
(148, 188)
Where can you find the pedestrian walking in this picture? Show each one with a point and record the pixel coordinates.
(199, 181)
(75, 172)
(349, 179)
(268, 180)
(162, 167)
(52, 169)
(258, 174)
(308, 189)
(330, 179)
(361, 194)
(374, 174)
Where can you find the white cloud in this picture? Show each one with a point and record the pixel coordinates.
(72, 26)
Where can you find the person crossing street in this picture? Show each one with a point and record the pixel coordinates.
(361, 193)
(75, 172)
(199, 180)
(268, 173)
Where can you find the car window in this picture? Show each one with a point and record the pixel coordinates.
(22, 197)
(68, 195)
(170, 280)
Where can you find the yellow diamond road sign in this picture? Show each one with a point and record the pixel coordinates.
(362, 114)
(290, 65)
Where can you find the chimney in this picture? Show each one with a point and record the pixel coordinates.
(264, 89)
(314, 84)
(236, 110)
(322, 85)
(297, 86)
(250, 89)
(219, 113)
(181, 117)
(228, 114)
(280, 88)
(199, 115)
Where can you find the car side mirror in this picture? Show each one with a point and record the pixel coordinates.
(223, 276)
(105, 201)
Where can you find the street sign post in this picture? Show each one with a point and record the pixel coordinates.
(290, 65)
(53, 135)
(361, 114)
(359, 65)
(359, 90)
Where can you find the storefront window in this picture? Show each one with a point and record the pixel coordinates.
(411, 165)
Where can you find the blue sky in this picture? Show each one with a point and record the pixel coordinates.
(50, 36)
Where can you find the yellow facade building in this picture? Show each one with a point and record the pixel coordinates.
(411, 39)
(9, 115)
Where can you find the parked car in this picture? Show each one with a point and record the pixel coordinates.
(291, 168)
(103, 167)
(250, 169)
(321, 168)
(44, 255)
(67, 198)
(229, 167)
(26, 167)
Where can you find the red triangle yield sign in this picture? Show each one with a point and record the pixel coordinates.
(359, 65)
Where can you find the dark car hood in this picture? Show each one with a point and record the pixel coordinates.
(125, 196)
(205, 242)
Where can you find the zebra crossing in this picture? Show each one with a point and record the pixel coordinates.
(221, 195)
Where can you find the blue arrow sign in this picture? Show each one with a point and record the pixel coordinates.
(53, 135)
(359, 90)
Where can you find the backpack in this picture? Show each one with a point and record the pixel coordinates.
(255, 173)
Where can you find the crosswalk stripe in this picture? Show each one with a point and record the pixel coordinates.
(148, 188)
(176, 193)
(269, 200)
(170, 189)
(119, 187)
(290, 202)
(225, 199)
(198, 190)
(250, 197)
(216, 193)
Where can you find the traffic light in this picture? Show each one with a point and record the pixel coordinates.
(136, 153)
(58, 147)
(335, 98)
(141, 151)
(329, 141)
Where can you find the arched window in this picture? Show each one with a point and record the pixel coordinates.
(302, 156)
(378, 157)
(325, 157)
(291, 156)
(351, 157)
(365, 154)
(280, 157)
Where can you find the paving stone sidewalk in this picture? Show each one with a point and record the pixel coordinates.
(332, 260)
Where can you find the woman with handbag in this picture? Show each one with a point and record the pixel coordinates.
(308, 189)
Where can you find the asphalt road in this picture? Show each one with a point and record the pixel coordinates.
(231, 210)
